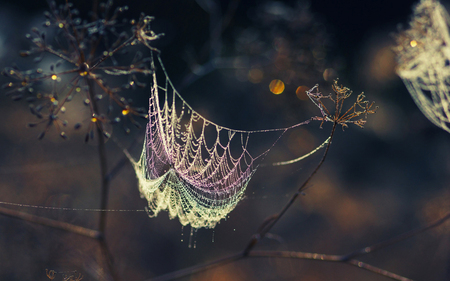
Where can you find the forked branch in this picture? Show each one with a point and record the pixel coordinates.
(348, 258)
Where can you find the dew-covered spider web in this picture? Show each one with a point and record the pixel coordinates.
(423, 55)
(191, 167)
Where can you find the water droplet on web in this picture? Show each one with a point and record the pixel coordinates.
(191, 234)
(195, 238)
(182, 228)
(212, 240)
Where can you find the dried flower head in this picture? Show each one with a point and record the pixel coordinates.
(361, 107)
(78, 59)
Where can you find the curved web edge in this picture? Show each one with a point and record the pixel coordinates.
(171, 193)
(179, 171)
(423, 55)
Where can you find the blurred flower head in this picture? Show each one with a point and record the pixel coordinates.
(87, 60)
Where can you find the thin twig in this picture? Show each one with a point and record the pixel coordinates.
(328, 258)
(268, 224)
(51, 223)
(396, 239)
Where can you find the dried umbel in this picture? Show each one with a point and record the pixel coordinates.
(356, 114)
(423, 55)
(78, 57)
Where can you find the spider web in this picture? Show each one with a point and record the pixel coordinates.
(423, 55)
(191, 167)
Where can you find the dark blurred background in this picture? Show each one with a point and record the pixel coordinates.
(380, 181)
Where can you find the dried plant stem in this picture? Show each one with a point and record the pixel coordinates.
(103, 161)
(107, 257)
(269, 223)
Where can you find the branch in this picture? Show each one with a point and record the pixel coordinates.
(278, 254)
(105, 185)
(51, 223)
(398, 238)
(271, 221)
(329, 258)
(102, 158)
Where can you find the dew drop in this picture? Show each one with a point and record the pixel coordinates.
(182, 234)
(191, 234)
(195, 238)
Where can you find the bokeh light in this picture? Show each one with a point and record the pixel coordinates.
(276, 86)
(301, 92)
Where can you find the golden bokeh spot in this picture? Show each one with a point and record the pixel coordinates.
(94, 119)
(78, 89)
(11, 72)
(83, 73)
(276, 86)
(131, 83)
(301, 92)
(125, 111)
(61, 25)
(413, 43)
(54, 77)
(255, 75)
(53, 100)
